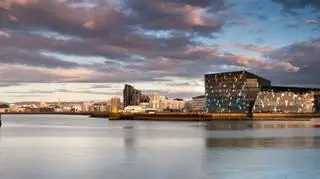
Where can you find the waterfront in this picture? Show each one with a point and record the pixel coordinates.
(57, 146)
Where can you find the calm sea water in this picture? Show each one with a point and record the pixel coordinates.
(65, 147)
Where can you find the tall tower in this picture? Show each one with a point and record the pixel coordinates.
(131, 96)
(127, 95)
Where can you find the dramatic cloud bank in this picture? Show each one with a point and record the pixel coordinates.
(109, 41)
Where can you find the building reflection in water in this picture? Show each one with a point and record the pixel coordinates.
(254, 140)
(129, 145)
(244, 125)
(263, 142)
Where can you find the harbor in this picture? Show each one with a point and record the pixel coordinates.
(232, 120)
(73, 146)
(218, 121)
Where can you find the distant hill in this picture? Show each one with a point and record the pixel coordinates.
(27, 102)
(62, 102)
(56, 102)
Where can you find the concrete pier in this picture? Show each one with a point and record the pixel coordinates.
(231, 120)
(316, 122)
(207, 116)
(268, 120)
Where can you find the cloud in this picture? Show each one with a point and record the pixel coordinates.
(101, 86)
(298, 4)
(105, 19)
(26, 95)
(140, 40)
(13, 55)
(5, 84)
(23, 73)
(303, 54)
(264, 64)
(189, 83)
(259, 16)
(175, 94)
(176, 15)
(293, 25)
(254, 48)
(50, 15)
(27, 74)
(313, 21)
(175, 56)
(259, 40)
(61, 91)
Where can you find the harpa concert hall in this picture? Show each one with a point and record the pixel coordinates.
(245, 92)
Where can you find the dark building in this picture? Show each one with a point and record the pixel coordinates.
(278, 99)
(131, 96)
(232, 92)
(4, 105)
(144, 98)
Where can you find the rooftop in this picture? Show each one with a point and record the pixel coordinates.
(237, 72)
(198, 97)
(288, 88)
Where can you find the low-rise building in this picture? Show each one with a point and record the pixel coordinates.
(199, 103)
(187, 106)
(134, 109)
(115, 103)
(157, 101)
(277, 99)
(100, 107)
(76, 108)
(16, 108)
(87, 106)
(174, 105)
(3, 110)
(66, 108)
(58, 110)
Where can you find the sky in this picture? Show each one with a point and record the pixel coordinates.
(83, 50)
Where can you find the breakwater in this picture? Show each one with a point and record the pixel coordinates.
(224, 120)
(217, 121)
(205, 116)
(181, 116)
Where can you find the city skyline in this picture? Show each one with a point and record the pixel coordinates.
(160, 46)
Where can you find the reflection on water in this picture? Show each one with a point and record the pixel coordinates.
(264, 142)
(241, 125)
(64, 147)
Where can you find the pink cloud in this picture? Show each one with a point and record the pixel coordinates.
(254, 48)
(262, 63)
(13, 18)
(89, 25)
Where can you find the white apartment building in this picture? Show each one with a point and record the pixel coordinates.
(161, 103)
(87, 106)
(157, 101)
(174, 104)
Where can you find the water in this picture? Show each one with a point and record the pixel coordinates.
(66, 147)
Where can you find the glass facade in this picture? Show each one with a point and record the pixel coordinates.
(233, 92)
(287, 100)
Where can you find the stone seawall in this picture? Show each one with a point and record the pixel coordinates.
(208, 117)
